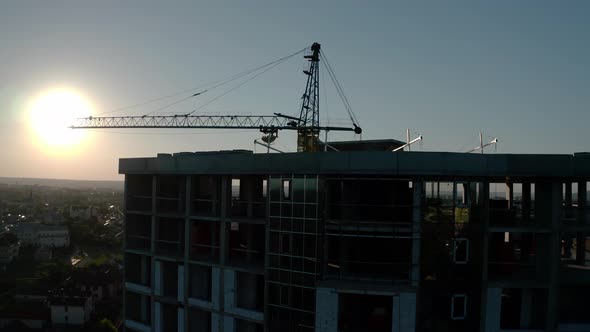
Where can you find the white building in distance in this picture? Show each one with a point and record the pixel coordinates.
(37, 234)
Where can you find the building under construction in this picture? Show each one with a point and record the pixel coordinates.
(357, 240)
(349, 236)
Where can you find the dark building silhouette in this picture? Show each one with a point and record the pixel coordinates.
(356, 241)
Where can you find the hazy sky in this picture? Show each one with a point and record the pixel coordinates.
(517, 70)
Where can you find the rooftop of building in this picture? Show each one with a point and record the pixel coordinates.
(429, 164)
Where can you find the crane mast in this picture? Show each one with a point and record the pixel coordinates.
(307, 125)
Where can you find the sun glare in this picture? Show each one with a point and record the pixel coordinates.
(52, 113)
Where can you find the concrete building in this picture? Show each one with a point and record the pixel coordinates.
(37, 234)
(357, 241)
(70, 308)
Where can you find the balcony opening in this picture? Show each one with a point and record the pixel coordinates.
(205, 196)
(460, 250)
(169, 315)
(458, 306)
(138, 232)
(200, 282)
(371, 201)
(138, 307)
(139, 193)
(515, 255)
(368, 257)
(250, 291)
(358, 312)
(170, 236)
(199, 320)
(523, 308)
(247, 326)
(247, 244)
(169, 275)
(170, 194)
(249, 197)
(204, 244)
(138, 269)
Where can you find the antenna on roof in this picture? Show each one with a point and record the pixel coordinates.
(408, 141)
(481, 145)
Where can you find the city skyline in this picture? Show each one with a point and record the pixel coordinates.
(514, 71)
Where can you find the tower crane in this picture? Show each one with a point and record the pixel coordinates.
(307, 124)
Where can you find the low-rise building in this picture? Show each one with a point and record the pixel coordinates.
(83, 212)
(37, 234)
(70, 307)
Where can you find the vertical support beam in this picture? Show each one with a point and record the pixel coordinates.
(485, 292)
(526, 308)
(326, 319)
(509, 192)
(581, 236)
(526, 201)
(225, 205)
(404, 313)
(155, 271)
(549, 199)
(493, 309)
(418, 198)
(568, 201)
(186, 249)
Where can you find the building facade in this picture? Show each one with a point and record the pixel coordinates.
(356, 241)
(37, 234)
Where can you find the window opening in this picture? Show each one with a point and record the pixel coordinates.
(286, 189)
(458, 306)
(460, 250)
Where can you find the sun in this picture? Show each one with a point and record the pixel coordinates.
(51, 114)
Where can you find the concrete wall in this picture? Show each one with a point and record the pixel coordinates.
(326, 318)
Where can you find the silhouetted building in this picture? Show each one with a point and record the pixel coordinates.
(356, 241)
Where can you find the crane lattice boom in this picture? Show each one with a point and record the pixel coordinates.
(307, 124)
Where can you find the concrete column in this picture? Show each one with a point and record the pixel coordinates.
(155, 272)
(485, 220)
(225, 205)
(581, 236)
(404, 313)
(157, 317)
(186, 251)
(326, 319)
(493, 309)
(180, 283)
(229, 289)
(180, 317)
(509, 192)
(526, 201)
(418, 197)
(568, 198)
(215, 322)
(158, 278)
(548, 198)
(228, 324)
(526, 308)
(215, 282)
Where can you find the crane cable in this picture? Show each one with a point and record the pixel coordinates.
(212, 85)
(268, 66)
(232, 89)
(339, 89)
